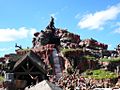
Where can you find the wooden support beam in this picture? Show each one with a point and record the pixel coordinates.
(31, 68)
(23, 68)
(26, 73)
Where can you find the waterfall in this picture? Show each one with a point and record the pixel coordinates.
(57, 66)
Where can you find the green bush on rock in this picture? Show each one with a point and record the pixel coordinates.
(100, 74)
(110, 59)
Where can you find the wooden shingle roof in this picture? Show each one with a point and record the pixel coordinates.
(35, 59)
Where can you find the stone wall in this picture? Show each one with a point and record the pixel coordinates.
(75, 58)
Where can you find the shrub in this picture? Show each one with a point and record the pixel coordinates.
(110, 59)
(1, 78)
(100, 74)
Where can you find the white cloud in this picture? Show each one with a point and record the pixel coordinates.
(5, 49)
(13, 34)
(98, 19)
(32, 31)
(118, 24)
(117, 30)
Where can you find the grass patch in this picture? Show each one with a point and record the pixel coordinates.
(64, 51)
(100, 74)
(110, 59)
(87, 57)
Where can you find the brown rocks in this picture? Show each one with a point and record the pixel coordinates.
(93, 44)
(67, 39)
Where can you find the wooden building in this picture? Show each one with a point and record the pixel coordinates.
(28, 70)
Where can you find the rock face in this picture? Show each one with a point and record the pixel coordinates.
(45, 41)
(56, 36)
(67, 39)
(51, 38)
(49, 44)
(46, 37)
(93, 44)
(76, 58)
(118, 49)
(45, 53)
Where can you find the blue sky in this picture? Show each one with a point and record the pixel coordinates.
(19, 19)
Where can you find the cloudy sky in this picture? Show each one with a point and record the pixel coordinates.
(19, 19)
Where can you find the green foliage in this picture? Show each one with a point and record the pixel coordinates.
(110, 59)
(100, 74)
(87, 57)
(64, 51)
(1, 78)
